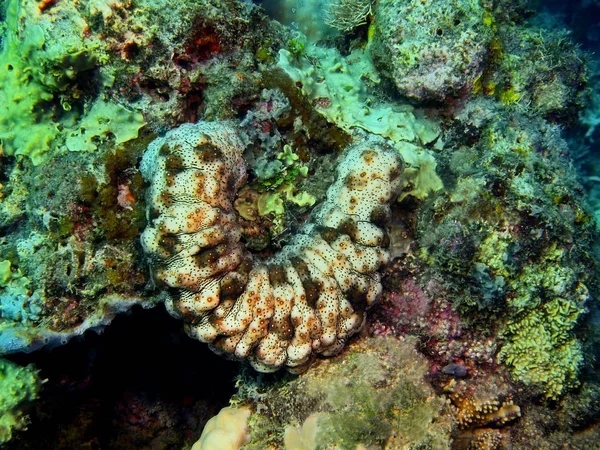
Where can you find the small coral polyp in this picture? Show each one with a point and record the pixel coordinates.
(310, 297)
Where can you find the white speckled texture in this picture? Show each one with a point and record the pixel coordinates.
(306, 300)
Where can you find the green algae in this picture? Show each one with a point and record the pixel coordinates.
(41, 104)
(18, 387)
(37, 67)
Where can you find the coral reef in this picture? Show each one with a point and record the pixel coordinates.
(307, 299)
(69, 248)
(260, 166)
(46, 56)
(541, 348)
(70, 68)
(338, 88)
(187, 61)
(528, 278)
(536, 71)
(77, 77)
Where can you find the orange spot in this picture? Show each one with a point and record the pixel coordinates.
(125, 198)
(45, 4)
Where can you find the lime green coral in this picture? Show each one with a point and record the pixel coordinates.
(18, 385)
(544, 305)
(541, 348)
(9, 277)
(103, 120)
(5, 272)
(288, 156)
(285, 169)
(270, 203)
(36, 64)
(43, 54)
(494, 252)
(277, 179)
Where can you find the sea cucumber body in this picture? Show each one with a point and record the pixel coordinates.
(310, 297)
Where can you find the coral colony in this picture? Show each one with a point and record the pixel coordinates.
(380, 215)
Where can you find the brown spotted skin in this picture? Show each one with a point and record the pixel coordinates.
(281, 312)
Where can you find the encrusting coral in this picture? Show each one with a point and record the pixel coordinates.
(486, 334)
(18, 386)
(225, 431)
(307, 299)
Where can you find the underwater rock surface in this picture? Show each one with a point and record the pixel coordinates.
(480, 280)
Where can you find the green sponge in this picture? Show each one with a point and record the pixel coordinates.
(103, 120)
